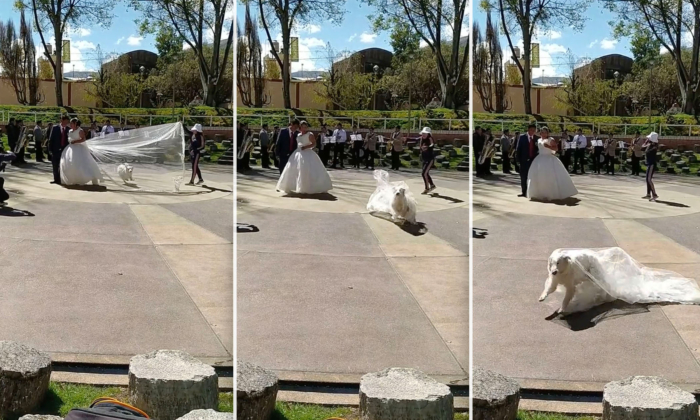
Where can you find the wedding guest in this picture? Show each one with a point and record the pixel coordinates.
(47, 133)
(370, 145)
(196, 147)
(581, 144)
(516, 139)
(565, 152)
(273, 145)
(39, 141)
(397, 142)
(652, 146)
(637, 153)
(505, 151)
(356, 147)
(339, 151)
(426, 150)
(598, 154)
(325, 144)
(264, 144)
(610, 147)
(12, 134)
(108, 128)
(19, 138)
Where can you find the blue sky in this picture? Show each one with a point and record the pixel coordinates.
(122, 36)
(354, 34)
(594, 41)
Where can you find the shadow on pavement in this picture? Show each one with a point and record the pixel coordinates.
(582, 321)
(319, 197)
(417, 229)
(444, 197)
(6, 211)
(672, 204)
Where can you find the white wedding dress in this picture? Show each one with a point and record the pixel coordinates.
(304, 173)
(78, 167)
(614, 274)
(383, 197)
(548, 179)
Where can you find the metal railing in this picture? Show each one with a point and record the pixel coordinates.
(386, 123)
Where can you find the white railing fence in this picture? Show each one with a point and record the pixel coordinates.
(124, 119)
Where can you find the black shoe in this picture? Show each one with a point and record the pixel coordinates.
(521, 195)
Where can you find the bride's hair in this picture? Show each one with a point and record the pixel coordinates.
(76, 122)
(303, 122)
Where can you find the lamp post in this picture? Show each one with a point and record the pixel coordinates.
(142, 70)
(616, 75)
(375, 71)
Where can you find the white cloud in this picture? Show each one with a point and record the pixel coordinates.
(552, 48)
(608, 44)
(83, 45)
(312, 42)
(79, 32)
(367, 38)
(592, 44)
(119, 41)
(134, 40)
(310, 29)
(353, 36)
(549, 34)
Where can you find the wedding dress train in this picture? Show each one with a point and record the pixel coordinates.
(304, 172)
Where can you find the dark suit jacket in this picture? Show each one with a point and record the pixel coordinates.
(523, 151)
(282, 147)
(55, 139)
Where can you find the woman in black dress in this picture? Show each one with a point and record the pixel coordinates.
(196, 146)
(652, 146)
(426, 149)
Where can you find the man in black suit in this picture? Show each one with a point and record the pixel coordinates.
(525, 154)
(286, 144)
(57, 142)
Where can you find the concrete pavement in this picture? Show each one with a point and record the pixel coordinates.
(105, 273)
(325, 287)
(513, 332)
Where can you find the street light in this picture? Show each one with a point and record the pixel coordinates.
(375, 71)
(142, 70)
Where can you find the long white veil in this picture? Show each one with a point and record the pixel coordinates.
(619, 276)
(381, 199)
(156, 153)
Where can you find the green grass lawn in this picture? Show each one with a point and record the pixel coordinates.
(63, 397)
(532, 415)
(293, 411)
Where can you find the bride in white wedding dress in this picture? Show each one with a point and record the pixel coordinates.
(305, 173)
(78, 167)
(548, 179)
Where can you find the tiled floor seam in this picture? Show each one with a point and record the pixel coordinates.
(408, 289)
(179, 282)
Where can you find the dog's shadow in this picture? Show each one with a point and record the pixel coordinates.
(581, 321)
(415, 229)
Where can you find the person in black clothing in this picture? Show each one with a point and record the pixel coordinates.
(652, 146)
(516, 138)
(273, 145)
(426, 151)
(598, 155)
(565, 154)
(18, 138)
(325, 145)
(478, 141)
(356, 149)
(488, 138)
(396, 148)
(12, 135)
(196, 147)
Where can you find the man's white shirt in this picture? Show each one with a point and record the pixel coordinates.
(340, 136)
(581, 141)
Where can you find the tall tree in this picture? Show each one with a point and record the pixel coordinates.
(524, 17)
(53, 17)
(250, 75)
(669, 21)
(168, 44)
(488, 73)
(437, 22)
(194, 21)
(287, 15)
(18, 61)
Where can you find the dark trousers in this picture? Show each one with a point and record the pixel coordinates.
(395, 160)
(636, 168)
(524, 169)
(39, 151)
(651, 169)
(282, 163)
(56, 163)
(265, 157)
(580, 159)
(369, 162)
(325, 153)
(427, 166)
(506, 163)
(3, 194)
(339, 154)
(596, 159)
(566, 158)
(609, 164)
(356, 147)
(195, 167)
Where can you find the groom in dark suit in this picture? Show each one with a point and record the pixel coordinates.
(525, 154)
(286, 144)
(58, 140)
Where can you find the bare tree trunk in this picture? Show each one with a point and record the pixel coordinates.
(286, 67)
(527, 72)
(58, 69)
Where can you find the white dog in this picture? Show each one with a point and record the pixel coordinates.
(570, 269)
(403, 208)
(126, 172)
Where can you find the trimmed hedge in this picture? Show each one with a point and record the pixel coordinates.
(220, 117)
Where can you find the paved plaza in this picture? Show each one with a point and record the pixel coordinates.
(100, 275)
(324, 287)
(513, 332)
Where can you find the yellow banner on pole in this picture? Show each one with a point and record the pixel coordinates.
(535, 56)
(65, 56)
(294, 49)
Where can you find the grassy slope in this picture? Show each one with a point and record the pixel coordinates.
(61, 398)
(289, 411)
